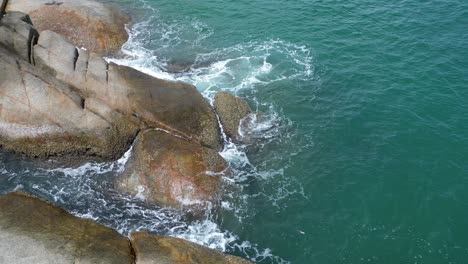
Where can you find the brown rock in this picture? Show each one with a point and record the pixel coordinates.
(153, 249)
(172, 171)
(93, 25)
(35, 231)
(231, 110)
(173, 106)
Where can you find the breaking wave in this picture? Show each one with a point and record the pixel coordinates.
(154, 47)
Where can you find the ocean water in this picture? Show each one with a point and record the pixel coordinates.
(358, 148)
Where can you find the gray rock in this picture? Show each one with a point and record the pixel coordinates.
(17, 34)
(35, 231)
(54, 54)
(231, 110)
(41, 116)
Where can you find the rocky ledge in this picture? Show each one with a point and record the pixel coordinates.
(35, 231)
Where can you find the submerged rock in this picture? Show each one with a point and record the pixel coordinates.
(95, 26)
(153, 249)
(172, 171)
(231, 110)
(35, 231)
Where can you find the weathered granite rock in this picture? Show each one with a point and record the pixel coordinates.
(35, 231)
(231, 110)
(173, 106)
(153, 249)
(41, 116)
(96, 26)
(69, 102)
(17, 34)
(172, 171)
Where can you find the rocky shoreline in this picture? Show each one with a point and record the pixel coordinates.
(62, 100)
(35, 231)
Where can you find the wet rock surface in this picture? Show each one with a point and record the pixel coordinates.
(231, 110)
(172, 171)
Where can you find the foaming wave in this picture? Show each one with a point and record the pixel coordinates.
(248, 65)
(155, 46)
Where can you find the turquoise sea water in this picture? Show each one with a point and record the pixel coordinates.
(368, 163)
(359, 150)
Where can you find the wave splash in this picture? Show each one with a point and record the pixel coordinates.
(243, 69)
(174, 50)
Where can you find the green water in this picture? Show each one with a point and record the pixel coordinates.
(370, 164)
(360, 150)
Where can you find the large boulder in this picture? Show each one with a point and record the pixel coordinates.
(35, 231)
(153, 249)
(174, 106)
(172, 171)
(41, 116)
(69, 102)
(96, 26)
(231, 110)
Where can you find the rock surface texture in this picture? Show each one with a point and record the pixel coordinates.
(98, 27)
(152, 249)
(172, 171)
(34, 231)
(231, 110)
(61, 101)
(41, 116)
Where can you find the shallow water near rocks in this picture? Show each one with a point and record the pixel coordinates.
(358, 151)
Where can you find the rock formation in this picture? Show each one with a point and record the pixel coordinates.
(57, 100)
(231, 110)
(98, 27)
(172, 171)
(151, 249)
(41, 116)
(35, 231)
(61, 101)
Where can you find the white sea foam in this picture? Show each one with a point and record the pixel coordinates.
(244, 68)
(238, 68)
